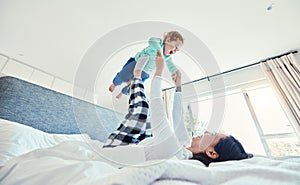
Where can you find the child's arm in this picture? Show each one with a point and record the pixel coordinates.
(171, 67)
(156, 44)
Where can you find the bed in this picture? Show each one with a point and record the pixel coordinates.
(50, 138)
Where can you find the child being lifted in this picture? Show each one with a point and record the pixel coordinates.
(170, 44)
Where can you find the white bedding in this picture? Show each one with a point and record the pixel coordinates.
(17, 139)
(71, 161)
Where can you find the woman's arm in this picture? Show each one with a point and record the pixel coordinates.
(164, 143)
(177, 114)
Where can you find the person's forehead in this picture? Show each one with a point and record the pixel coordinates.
(221, 136)
(215, 137)
(177, 42)
(218, 137)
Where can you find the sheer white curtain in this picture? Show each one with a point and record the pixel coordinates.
(284, 75)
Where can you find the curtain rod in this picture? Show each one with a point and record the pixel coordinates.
(235, 69)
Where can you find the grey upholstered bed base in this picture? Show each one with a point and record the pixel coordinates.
(53, 112)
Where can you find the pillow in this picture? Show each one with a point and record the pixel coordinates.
(17, 139)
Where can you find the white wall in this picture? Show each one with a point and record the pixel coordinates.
(15, 68)
(12, 67)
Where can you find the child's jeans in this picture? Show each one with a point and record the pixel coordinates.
(126, 74)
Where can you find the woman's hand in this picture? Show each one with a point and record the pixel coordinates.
(176, 77)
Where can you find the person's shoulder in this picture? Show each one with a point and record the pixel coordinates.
(155, 40)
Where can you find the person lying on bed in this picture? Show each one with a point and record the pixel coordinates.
(165, 142)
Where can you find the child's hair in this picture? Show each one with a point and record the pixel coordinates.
(173, 36)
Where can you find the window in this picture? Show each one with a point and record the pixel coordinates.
(254, 116)
(276, 129)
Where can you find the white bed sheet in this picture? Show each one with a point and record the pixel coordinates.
(17, 139)
(77, 162)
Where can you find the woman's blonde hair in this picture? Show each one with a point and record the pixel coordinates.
(173, 36)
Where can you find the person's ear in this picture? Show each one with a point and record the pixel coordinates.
(210, 152)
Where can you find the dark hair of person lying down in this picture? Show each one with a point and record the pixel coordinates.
(228, 149)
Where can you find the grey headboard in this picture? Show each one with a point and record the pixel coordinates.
(54, 112)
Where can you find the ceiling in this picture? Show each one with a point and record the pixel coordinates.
(55, 35)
